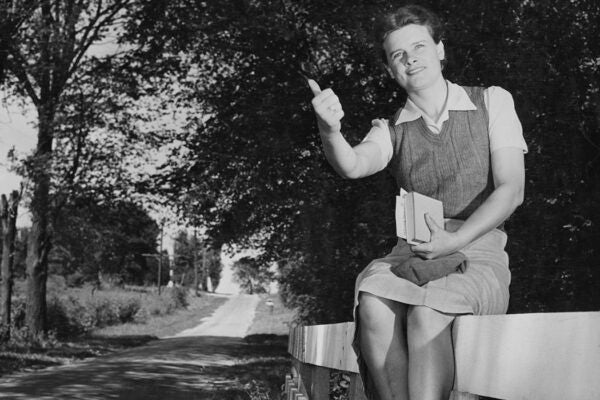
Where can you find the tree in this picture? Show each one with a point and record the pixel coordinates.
(8, 220)
(12, 17)
(252, 171)
(252, 276)
(196, 260)
(42, 58)
(93, 239)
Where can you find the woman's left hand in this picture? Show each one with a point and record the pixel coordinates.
(441, 244)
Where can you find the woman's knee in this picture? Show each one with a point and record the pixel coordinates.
(425, 322)
(377, 311)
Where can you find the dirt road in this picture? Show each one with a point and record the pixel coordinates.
(232, 319)
(217, 365)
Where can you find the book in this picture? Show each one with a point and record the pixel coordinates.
(411, 208)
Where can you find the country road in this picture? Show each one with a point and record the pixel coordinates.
(211, 361)
(232, 319)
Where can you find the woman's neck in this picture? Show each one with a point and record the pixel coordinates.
(432, 100)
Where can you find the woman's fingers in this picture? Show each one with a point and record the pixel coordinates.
(431, 224)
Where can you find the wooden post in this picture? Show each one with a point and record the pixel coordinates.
(313, 381)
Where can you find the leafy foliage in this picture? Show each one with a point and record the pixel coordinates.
(254, 172)
(244, 161)
(107, 238)
(191, 255)
(252, 276)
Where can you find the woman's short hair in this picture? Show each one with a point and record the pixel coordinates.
(407, 15)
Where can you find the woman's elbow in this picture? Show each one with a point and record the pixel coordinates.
(518, 196)
(353, 174)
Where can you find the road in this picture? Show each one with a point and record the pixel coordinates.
(232, 319)
(211, 361)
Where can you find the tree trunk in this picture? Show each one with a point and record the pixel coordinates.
(39, 243)
(8, 213)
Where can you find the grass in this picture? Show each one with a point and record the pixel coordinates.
(170, 324)
(275, 320)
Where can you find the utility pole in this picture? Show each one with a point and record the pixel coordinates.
(204, 266)
(160, 254)
(194, 262)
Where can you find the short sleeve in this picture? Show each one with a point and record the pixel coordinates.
(380, 135)
(504, 126)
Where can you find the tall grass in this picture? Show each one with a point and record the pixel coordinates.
(75, 311)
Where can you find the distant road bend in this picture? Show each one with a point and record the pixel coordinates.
(232, 319)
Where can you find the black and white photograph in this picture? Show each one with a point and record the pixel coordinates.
(300, 199)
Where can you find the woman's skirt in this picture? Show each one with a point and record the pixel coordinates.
(482, 289)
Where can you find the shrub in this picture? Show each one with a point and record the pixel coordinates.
(128, 309)
(107, 311)
(17, 312)
(21, 339)
(75, 311)
(179, 296)
(76, 279)
(67, 316)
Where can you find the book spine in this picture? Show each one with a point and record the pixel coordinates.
(410, 217)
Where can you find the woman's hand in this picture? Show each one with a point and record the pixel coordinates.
(327, 108)
(441, 244)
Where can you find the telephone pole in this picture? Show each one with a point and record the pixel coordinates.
(205, 272)
(160, 255)
(195, 262)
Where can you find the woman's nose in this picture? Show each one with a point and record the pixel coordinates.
(410, 59)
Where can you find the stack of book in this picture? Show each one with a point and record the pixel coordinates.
(411, 208)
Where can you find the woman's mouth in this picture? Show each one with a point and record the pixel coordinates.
(414, 71)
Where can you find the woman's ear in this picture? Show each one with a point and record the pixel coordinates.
(440, 50)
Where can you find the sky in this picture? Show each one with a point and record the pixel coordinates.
(16, 131)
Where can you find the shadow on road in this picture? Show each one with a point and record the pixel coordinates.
(178, 368)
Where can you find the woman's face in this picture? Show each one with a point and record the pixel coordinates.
(413, 58)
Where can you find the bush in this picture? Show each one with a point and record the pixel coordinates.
(107, 311)
(179, 296)
(67, 316)
(128, 309)
(76, 279)
(75, 311)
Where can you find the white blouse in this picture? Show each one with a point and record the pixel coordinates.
(505, 129)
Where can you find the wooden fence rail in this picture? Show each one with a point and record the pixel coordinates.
(550, 356)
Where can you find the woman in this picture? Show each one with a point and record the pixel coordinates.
(461, 145)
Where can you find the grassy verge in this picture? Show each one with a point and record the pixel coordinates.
(269, 330)
(170, 324)
(274, 320)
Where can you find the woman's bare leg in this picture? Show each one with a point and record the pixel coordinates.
(431, 365)
(383, 344)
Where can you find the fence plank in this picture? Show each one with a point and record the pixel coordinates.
(550, 356)
(326, 345)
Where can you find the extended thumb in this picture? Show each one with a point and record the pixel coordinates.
(314, 86)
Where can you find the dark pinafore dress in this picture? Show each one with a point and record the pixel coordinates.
(454, 167)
